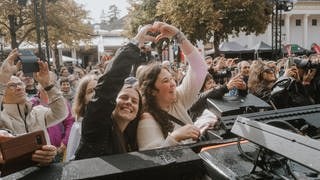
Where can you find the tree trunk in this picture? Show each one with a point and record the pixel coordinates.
(216, 43)
(55, 56)
(12, 30)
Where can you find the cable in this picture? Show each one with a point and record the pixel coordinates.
(242, 152)
(291, 127)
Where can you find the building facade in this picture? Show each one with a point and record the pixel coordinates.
(299, 26)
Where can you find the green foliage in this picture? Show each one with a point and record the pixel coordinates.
(65, 22)
(141, 12)
(200, 19)
(204, 19)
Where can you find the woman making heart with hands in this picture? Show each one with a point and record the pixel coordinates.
(165, 121)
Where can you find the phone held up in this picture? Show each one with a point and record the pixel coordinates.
(290, 63)
(29, 61)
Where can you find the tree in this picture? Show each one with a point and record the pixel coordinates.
(218, 18)
(66, 22)
(16, 21)
(113, 14)
(103, 17)
(141, 12)
(203, 19)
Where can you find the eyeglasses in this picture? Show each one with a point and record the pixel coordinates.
(269, 70)
(13, 86)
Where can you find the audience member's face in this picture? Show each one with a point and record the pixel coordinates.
(273, 66)
(268, 74)
(209, 62)
(15, 91)
(127, 104)
(166, 88)
(28, 81)
(65, 87)
(65, 73)
(221, 64)
(79, 73)
(209, 84)
(90, 91)
(245, 69)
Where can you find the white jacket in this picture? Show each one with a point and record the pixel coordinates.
(23, 118)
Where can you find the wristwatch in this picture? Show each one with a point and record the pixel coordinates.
(48, 88)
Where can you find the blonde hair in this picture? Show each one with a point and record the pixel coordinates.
(79, 104)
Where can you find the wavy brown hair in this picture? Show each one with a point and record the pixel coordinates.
(257, 85)
(79, 106)
(147, 79)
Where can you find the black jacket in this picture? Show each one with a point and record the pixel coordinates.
(99, 135)
(201, 104)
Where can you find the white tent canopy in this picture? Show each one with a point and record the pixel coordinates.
(67, 59)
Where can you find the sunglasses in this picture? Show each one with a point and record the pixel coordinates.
(269, 70)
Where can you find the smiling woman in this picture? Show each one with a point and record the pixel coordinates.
(110, 122)
(165, 121)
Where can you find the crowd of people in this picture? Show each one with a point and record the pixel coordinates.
(127, 104)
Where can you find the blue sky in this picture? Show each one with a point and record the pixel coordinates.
(96, 6)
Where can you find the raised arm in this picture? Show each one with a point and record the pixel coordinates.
(57, 110)
(198, 69)
(7, 69)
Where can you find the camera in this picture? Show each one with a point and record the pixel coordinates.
(305, 64)
(224, 73)
(29, 61)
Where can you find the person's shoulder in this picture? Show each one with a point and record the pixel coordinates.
(146, 116)
(147, 121)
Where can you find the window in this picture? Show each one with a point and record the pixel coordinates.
(314, 22)
(281, 22)
(298, 22)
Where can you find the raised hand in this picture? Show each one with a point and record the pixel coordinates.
(142, 35)
(166, 30)
(292, 72)
(186, 132)
(308, 76)
(236, 82)
(43, 75)
(8, 67)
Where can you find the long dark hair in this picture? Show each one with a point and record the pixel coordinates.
(147, 79)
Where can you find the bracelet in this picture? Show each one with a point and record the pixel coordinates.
(179, 37)
(48, 88)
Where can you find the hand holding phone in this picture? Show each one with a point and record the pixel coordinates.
(290, 63)
(17, 151)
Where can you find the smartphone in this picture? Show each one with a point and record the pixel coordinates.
(17, 151)
(29, 61)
